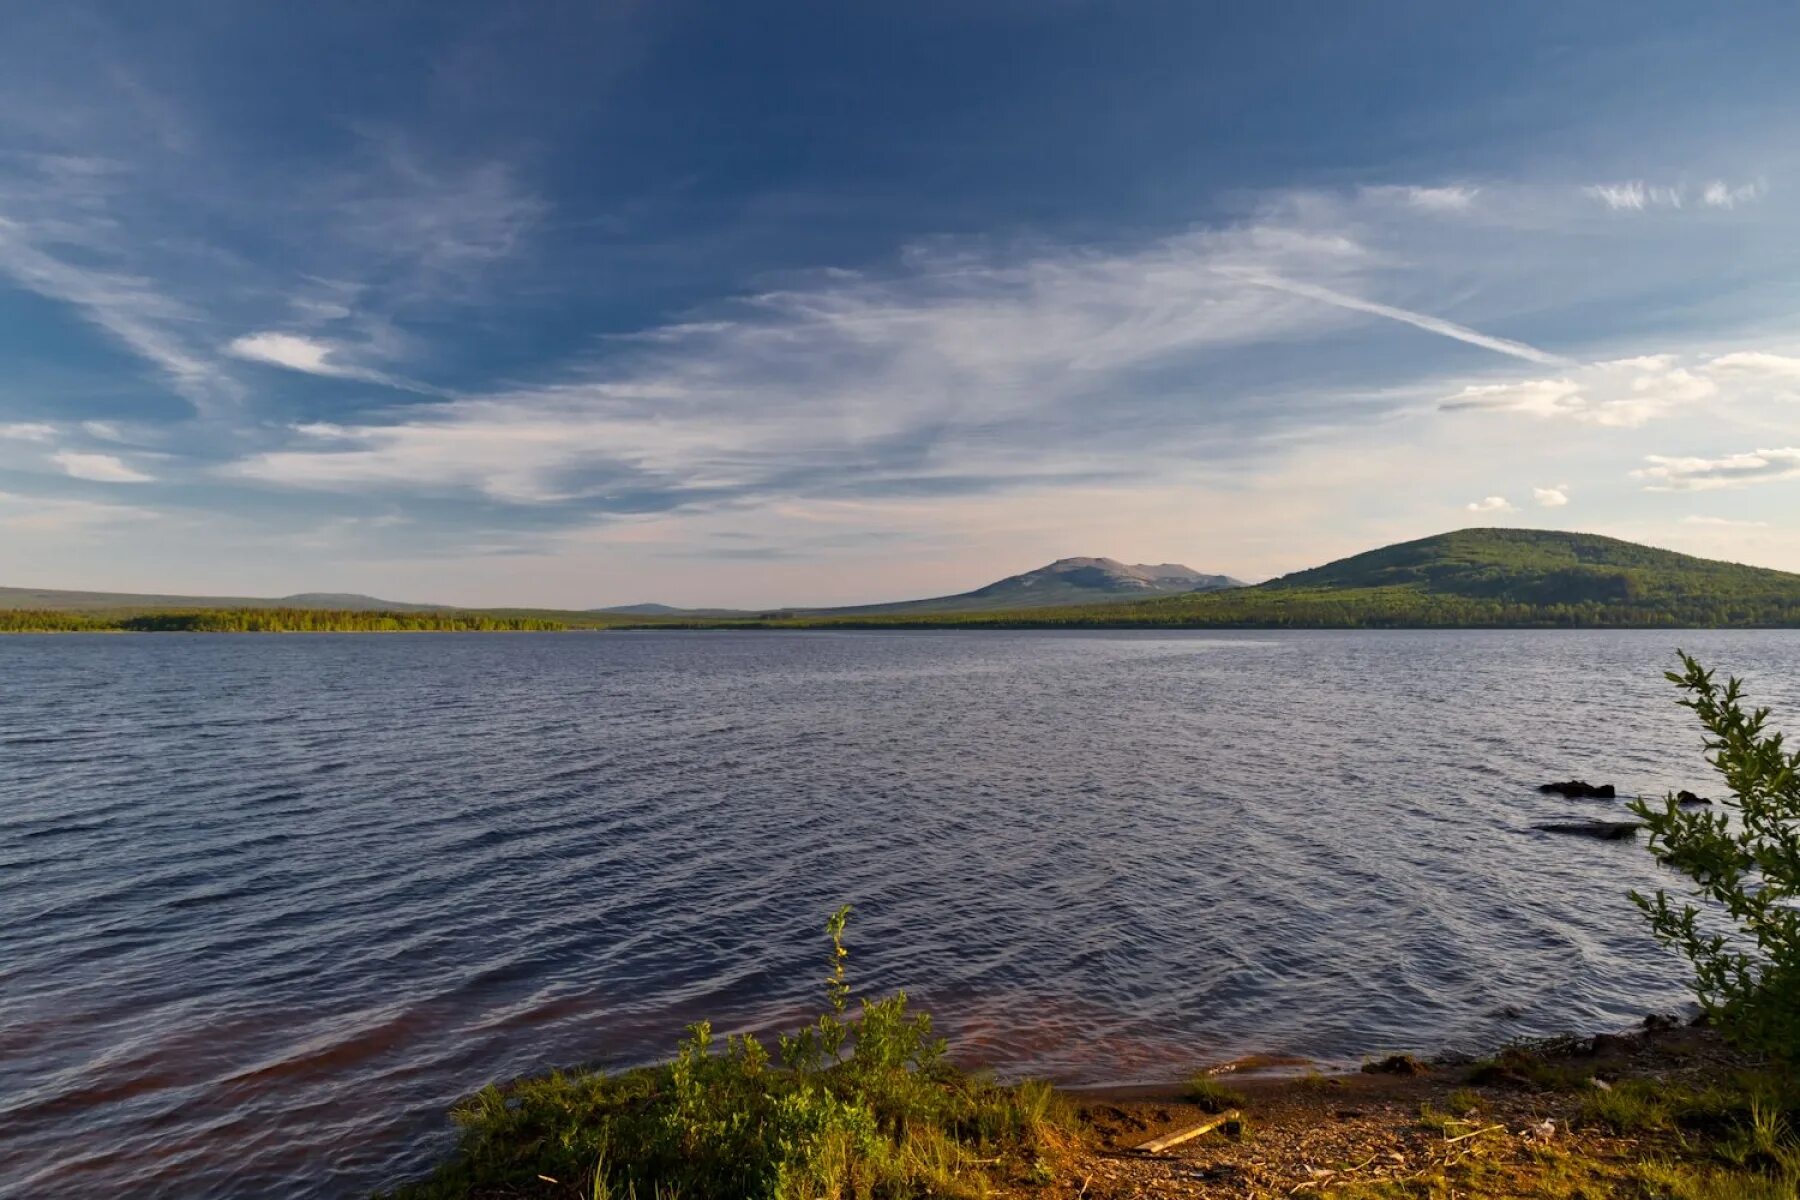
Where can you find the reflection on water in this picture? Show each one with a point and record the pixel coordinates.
(269, 905)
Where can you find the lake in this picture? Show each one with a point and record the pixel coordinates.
(269, 905)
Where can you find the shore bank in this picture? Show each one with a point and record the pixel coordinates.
(1666, 1111)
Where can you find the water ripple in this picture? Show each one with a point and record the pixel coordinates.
(269, 905)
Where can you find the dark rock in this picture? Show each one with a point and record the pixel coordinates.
(1396, 1064)
(1659, 1022)
(1612, 1044)
(1580, 789)
(1606, 831)
(1687, 799)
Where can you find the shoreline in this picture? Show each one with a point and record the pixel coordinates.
(1631, 1113)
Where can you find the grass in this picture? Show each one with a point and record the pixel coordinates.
(857, 1106)
(1209, 1095)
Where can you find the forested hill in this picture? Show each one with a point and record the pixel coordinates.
(1537, 566)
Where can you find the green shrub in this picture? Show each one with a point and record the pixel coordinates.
(860, 1106)
(1745, 859)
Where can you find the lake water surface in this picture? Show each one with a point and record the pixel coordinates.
(269, 905)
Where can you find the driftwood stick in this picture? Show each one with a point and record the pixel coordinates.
(1158, 1145)
(1463, 1137)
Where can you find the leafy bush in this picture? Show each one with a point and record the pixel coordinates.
(858, 1106)
(1746, 860)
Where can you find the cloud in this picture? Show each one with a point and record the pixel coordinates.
(940, 375)
(27, 431)
(102, 468)
(1756, 362)
(1637, 196)
(1619, 393)
(65, 236)
(125, 306)
(1719, 194)
(1430, 199)
(1723, 523)
(1551, 497)
(312, 356)
(423, 225)
(1430, 324)
(1705, 474)
(1633, 196)
(1490, 504)
(61, 516)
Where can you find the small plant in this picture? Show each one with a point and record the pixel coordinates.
(1209, 1095)
(860, 1106)
(1464, 1101)
(1745, 860)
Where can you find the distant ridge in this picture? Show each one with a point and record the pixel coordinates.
(1469, 578)
(69, 601)
(1065, 581)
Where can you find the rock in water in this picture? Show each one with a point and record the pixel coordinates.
(1687, 799)
(1606, 831)
(1580, 789)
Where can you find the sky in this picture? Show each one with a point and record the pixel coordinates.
(587, 304)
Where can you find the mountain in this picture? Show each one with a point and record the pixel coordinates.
(1501, 577)
(1471, 578)
(66, 601)
(1067, 581)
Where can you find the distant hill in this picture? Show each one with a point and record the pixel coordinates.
(1067, 581)
(66, 601)
(667, 610)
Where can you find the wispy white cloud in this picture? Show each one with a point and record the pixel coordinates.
(1665, 474)
(60, 516)
(1723, 522)
(1635, 195)
(27, 431)
(1490, 504)
(101, 468)
(1445, 199)
(828, 378)
(1425, 321)
(125, 306)
(1719, 194)
(312, 356)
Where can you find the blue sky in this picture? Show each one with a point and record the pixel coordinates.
(580, 304)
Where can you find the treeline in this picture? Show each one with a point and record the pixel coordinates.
(1325, 608)
(270, 620)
